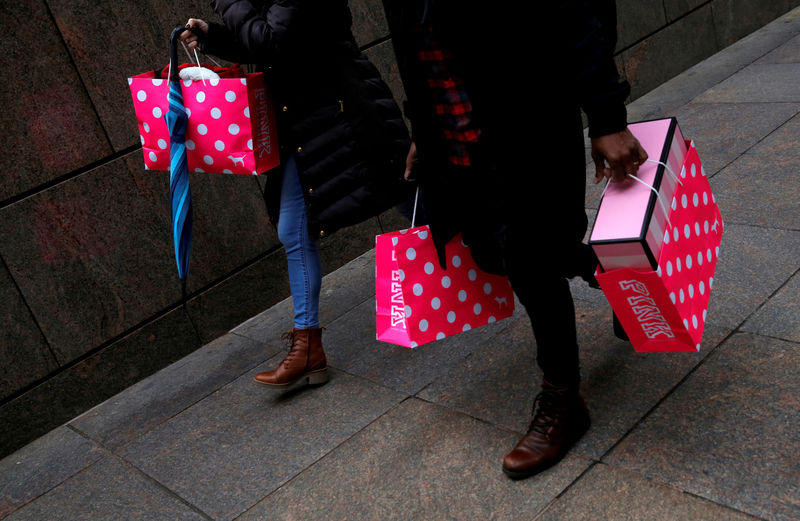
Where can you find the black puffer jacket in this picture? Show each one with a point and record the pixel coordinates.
(334, 110)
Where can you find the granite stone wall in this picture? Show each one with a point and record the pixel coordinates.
(90, 297)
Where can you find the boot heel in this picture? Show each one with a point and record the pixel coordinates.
(318, 377)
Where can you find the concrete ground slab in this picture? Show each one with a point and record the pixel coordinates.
(418, 461)
(779, 316)
(606, 492)
(147, 404)
(109, 489)
(767, 83)
(235, 447)
(726, 436)
(42, 465)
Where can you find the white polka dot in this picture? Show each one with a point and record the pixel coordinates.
(208, 160)
(162, 144)
(141, 138)
(672, 297)
(705, 312)
(491, 320)
(214, 82)
(156, 112)
(477, 309)
(188, 112)
(674, 204)
(684, 201)
(158, 83)
(227, 171)
(199, 170)
(411, 254)
(146, 127)
(685, 324)
(681, 296)
(423, 325)
(408, 311)
(451, 316)
(462, 295)
(428, 268)
(472, 275)
(676, 234)
(152, 156)
(683, 173)
(714, 198)
(716, 250)
(705, 198)
(247, 112)
(456, 261)
(703, 170)
(487, 288)
(687, 232)
(697, 347)
(666, 237)
(701, 288)
(697, 229)
(201, 97)
(187, 83)
(423, 235)
(669, 268)
(250, 144)
(699, 258)
(694, 321)
(202, 129)
(414, 344)
(233, 129)
(130, 81)
(439, 335)
(705, 226)
(417, 289)
(694, 170)
(141, 95)
(710, 282)
(696, 200)
(402, 275)
(658, 271)
(708, 255)
(216, 113)
(394, 241)
(190, 144)
(691, 291)
(445, 281)
(436, 303)
(689, 262)
(219, 145)
(678, 264)
(244, 81)
(230, 96)
(466, 327)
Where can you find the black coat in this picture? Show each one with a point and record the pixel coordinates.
(530, 175)
(334, 111)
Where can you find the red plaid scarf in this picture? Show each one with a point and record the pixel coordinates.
(451, 104)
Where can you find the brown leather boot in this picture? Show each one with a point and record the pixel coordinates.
(306, 359)
(560, 421)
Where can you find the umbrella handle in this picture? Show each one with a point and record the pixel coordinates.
(173, 49)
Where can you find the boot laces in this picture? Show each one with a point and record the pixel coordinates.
(551, 405)
(288, 337)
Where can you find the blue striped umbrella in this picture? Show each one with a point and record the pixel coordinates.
(179, 193)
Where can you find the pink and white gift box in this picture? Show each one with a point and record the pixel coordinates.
(231, 127)
(418, 302)
(633, 215)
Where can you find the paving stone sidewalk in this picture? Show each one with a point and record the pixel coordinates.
(401, 434)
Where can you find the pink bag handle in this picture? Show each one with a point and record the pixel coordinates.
(658, 196)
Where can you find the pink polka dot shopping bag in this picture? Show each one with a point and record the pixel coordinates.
(418, 302)
(657, 238)
(231, 128)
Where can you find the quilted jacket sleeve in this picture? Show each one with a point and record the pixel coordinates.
(281, 29)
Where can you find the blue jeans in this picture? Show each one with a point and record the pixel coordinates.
(302, 253)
